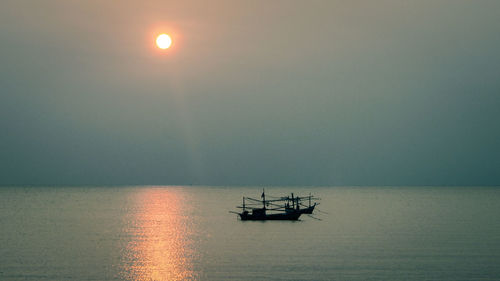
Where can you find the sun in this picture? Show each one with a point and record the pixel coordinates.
(163, 41)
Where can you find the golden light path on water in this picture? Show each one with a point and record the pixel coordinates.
(159, 246)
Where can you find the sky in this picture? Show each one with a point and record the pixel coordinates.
(250, 93)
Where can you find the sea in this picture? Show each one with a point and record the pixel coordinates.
(188, 233)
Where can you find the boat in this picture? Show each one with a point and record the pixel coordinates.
(277, 208)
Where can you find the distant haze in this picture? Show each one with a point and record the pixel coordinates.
(251, 92)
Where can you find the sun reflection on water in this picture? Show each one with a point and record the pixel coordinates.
(159, 247)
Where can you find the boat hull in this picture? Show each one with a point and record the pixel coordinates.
(262, 217)
(308, 210)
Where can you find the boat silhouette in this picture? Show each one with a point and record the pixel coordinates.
(277, 208)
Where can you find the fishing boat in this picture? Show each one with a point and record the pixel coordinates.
(277, 208)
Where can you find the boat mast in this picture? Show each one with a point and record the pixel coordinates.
(243, 203)
(263, 198)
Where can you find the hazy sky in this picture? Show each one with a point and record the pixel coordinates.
(252, 92)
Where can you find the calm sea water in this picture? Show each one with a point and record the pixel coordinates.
(187, 233)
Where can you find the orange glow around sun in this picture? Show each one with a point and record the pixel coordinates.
(163, 41)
